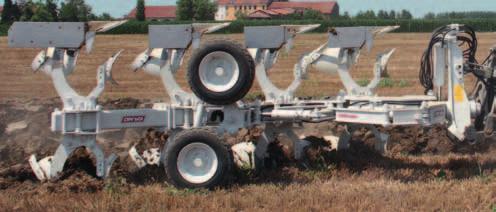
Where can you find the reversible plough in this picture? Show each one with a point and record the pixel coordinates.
(221, 73)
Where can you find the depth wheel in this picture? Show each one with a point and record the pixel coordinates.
(221, 72)
(196, 159)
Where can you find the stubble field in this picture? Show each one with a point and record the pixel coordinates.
(422, 171)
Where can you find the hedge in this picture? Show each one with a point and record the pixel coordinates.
(4, 28)
(416, 25)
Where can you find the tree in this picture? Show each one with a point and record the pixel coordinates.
(52, 9)
(140, 10)
(11, 12)
(369, 14)
(195, 10)
(392, 14)
(405, 14)
(461, 15)
(383, 14)
(105, 17)
(41, 13)
(346, 16)
(75, 10)
(430, 15)
(184, 10)
(27, 11)
(204, 10)
(240, 15)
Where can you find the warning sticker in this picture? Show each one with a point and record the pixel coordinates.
(459, 93)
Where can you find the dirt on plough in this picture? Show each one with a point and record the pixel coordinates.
(415, 154)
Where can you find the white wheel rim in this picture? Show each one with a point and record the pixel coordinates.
(197, 163)
(219, 71)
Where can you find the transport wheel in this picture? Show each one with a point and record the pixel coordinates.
(196, 159)
(221, 72)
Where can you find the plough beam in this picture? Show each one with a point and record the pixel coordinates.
(222, 72)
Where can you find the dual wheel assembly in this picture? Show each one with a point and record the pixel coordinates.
(219, 73)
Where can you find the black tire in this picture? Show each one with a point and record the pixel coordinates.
(186, 137)
(245, 80)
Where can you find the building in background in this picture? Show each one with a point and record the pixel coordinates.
(1, 10)
(253, 9)
(158, 13)
(271, 13)
(227, 9)
(269, 9)
(326, 8)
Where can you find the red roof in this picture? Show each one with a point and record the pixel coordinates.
(242, 2)
(259, 14)
(271, 12)
(283, 11)
(158, 12)
(325, 7)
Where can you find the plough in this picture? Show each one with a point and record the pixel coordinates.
(220, 74)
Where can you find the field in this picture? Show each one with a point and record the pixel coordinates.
(422, 171)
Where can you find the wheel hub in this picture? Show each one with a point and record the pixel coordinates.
(219, 71)
(197, 162)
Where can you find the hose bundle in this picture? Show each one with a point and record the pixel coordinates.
(466, 37)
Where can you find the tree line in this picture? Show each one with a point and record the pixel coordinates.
(381, 14)
(49, 10)
(406, 15)
(462, 15)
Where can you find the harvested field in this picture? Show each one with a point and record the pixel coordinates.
(20, 82)
(423, 170)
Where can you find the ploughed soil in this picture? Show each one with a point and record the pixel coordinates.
(423, 169)
(416, 156)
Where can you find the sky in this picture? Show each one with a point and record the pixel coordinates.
(418, 8)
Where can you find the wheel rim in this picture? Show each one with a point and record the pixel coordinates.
(219, 71)
(197, 163)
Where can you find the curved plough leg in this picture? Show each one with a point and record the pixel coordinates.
(379, 68)
(50, 168)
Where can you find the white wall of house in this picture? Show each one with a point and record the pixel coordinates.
(221, 13)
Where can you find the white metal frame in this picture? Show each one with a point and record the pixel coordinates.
(82, 119)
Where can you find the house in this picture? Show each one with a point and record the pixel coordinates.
(271, 13)
(1, 10)
(227, 9)
(268, 9)
(327, 8)
(156, 13)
